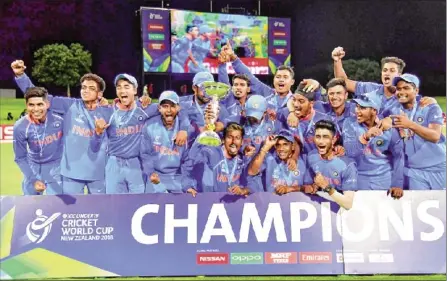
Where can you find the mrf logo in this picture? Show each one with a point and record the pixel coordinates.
(212, 258)
(281, 258)
(38, 229)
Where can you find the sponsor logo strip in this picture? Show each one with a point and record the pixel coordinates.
(281, 258)
(247, 258)
(315, 257)
(212, 258)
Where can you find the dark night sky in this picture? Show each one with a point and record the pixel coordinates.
(412, 30)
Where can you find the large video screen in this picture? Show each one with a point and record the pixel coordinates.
(179, 41)
(197, 39)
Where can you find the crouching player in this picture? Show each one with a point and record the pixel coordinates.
(332, 174)
(224, 161)
(165, 162)
(278, 177)
(38, 145)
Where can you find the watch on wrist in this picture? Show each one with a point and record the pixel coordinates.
(328, 189)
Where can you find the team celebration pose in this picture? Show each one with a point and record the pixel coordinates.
(271, 139)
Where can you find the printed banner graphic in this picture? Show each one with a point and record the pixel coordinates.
(220, 234)
(156, 39)
(279, 43)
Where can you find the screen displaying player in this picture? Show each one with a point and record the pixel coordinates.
(200, 36)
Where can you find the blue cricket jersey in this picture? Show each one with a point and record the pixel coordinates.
(325, 107)
(225, 172)
(306, 128)
(37, 143)
(255, 135)
(380, 160)
(161, 155)
(388, 103)
(420, 153)
(232, 104)
(278, 174)
(275, 101)
(195, 114)
(341, 172)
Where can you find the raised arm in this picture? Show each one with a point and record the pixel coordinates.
(256, 164)
(339, 72)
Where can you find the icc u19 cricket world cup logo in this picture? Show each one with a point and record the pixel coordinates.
(38, 229)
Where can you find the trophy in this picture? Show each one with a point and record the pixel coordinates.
(216, 91)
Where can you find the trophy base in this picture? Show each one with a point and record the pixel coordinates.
(209, 138)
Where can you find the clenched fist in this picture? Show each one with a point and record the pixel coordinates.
(18, 66)
(338, 53)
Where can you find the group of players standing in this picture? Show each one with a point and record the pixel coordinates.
(387, 138)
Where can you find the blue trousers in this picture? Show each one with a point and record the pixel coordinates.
(48, 173)
(76, 186)
(124, 176)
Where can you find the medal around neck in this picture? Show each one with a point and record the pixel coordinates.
(216, 91)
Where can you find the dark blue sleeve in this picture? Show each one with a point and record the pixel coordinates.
(349, 177)
(187, 166)
(397, 151)
(255, 84)
(21, 153)
(352, 145)
(146, 151)
(24, 82)
(184, 122)
(222, 75)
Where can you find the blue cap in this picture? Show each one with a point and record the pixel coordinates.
(407, 77)
(127, 77)
(170, 96)
(288, 135)
(201, 77)
(371, 99)
(256, 106)
(205, 28)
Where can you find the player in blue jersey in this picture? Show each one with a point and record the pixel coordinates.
(201, 47)
(181, 50)
(279, 95)
(165, 163)
(303, 110)
(80, 141)
(425, 150)
(391, 67)
(37, 145)
(338, 105)
(378, 154)
(278, 178)
(225, 162)
(124, 128)
(236, 99)
(195, 106)
(335, 175)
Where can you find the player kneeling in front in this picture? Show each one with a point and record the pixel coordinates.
(278, 177)
(225, 162)
(336, 175)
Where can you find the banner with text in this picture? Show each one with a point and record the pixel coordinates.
(219, 234)
(279, 43)
(156, 39)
